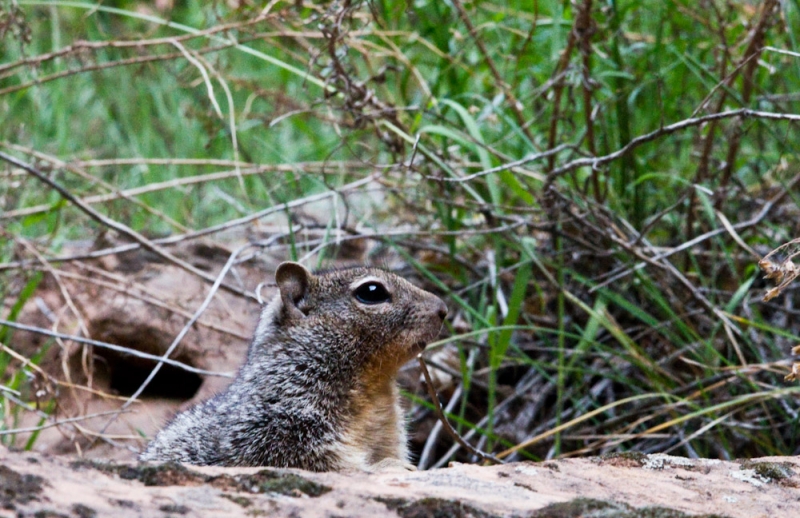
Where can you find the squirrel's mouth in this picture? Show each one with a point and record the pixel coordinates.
(418, 347)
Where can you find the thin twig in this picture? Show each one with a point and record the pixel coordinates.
(114, 191)
(78, 46)
(204, 232)
(433, 436)
(515, 105)
(438, 407)
(751, 56)
(115, 225)
(143, 294)
(430, 442)
(504, 167)
(57, 423)
(163, 359)
(377, 235)
(672, 128)
(755, 220)
(113, 347)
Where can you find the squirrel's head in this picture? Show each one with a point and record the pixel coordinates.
(367, 315)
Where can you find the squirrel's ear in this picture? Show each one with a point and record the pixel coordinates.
(292, 280)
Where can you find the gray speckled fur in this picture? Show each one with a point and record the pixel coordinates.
(297, 399)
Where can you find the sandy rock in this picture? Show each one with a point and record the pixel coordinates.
(628, 485)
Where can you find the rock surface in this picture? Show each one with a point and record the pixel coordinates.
(626, 485)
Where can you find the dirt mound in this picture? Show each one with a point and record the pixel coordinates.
(626, 486)
(137, 302)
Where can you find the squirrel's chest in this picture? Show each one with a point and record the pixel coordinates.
(375, 432)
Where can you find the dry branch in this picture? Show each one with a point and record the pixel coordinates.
(113, 347)
(437, 405)
(119, 227)
(667, 130)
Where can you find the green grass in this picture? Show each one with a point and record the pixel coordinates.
(515, 248)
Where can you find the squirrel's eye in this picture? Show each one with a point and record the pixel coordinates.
(371, 293)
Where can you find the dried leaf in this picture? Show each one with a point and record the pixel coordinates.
(771, 294)
(771, 270)
(792, 376)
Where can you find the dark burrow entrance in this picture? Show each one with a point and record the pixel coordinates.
(125, 374)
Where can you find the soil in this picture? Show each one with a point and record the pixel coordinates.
(138, 302)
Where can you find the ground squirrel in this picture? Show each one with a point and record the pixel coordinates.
(318, 389)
